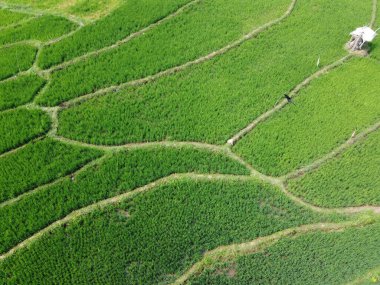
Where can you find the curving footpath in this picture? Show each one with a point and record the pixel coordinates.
(179, 68)
(224, 253)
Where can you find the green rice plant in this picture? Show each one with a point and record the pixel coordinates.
(19, 91)
(42, 28)
(15, 59)
(314, 258)
(38, 163)
(93, 9)
(156, 236)
(212, 101)
(130, 17)
(121, 173)
(8, 17)
(351, 179)
(324, 116)
(20, 126)
(172, 43)
(87, 10)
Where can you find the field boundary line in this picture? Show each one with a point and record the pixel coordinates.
(122, 41)
(40, 12)
(159, 182)
(71, 175)
(179, 68)
(293, 93)
(232, 251)
(22, 146)
(349, 210)
(334, 153)
(18, 74)
(178, 144)
(34, 43)
(116, 199)
(19, 23)
(374, 14)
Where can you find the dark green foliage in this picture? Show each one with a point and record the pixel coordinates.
(325, 115)
(157, 235)
(120, 173)
(42, 28)
(132, 16)
(15, 59)
(20, 126)
(39, 163)
(170, 44)
(8, 17)
(315, 258)
(19, 91)
(352, 179)
(212, 101)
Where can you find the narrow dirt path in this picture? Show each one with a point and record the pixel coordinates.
(22, 146)
(342, 210)
(293, 93)
(19, 23)
(374, 14)
(224, 253)
(39, 12)
(336, 152)
(163, 181)
(121, 42)
(114, 200)
(179, 68)
(56, 181)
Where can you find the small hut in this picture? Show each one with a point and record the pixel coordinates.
(360, 38)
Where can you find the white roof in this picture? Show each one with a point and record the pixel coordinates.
(365, 32)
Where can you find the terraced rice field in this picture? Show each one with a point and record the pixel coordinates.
(150, 142)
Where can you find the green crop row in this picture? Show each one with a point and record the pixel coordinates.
(8, 17)
(120, 173)
(19, 91)
(324, 116)
(15, 59)
(87, 9)
(38, 163)
(349, 180)
(130, 17)
(42, 28)
(156, 236)
(20, 126)
(314, 258)
(185, 37)
(212, 101)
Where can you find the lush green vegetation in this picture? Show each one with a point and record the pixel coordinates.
(19, 91)
(42, 28)
(89, 10)
(325, 115)
(212, 101)
(349, 180)
(8, 17)
(141, 57)
(171, 221)
(120, 173)
(315, 258)
(21, 125)
(130, 17)
(15, 59)
(156, 236)
(39, 163)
